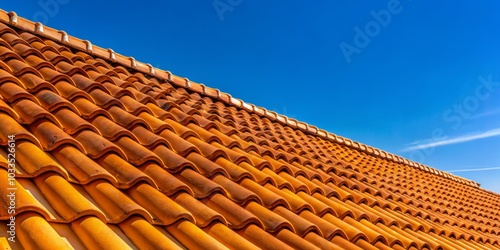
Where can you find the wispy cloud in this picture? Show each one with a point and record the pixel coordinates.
(472, 169)
(488, 113)
(448, 141)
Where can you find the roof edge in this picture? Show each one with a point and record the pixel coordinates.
(12, 19)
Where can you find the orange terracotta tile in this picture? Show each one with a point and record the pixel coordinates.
(4, 163)
(156, 125)
(18, 66)
(88, 109)
(52, 75)
(45, 238)
(179, 129)
(158, 112)
(10, 111)
(314, 188)
(110, 130)
(125, 173)
(81, 167)
(201, 186)
(260, 177)
(116, 91)
(389, 239)
(202, 133)
(148, 139)
(166, 182)
(367, 246)
(294, 241)
(235, 172)
(193, 237)
(180, 116)
(319, 207)
(33, 161)
(237, 216)
(296, 203)
(11, 127)
(179, 145)
(116, 206)
(233, 156)
(24, 200)
(132, 106)
(95, 234)
(96, 146)
(345, 244)
(203, 215)
(256, 161)
(228, 237)
(87, 85)
(273, 222)
(208, 151)
(173, 162)
(236, 192)
(146, 236)
(301, 225)
(279, 181)
(64, 198)
(262, 239)
(269, 199)
(4, 243)
(205, 166)
(320, 242)
(226, 140)
(127, 120)
(159, 205)
(29, 112)
(72, 123)
(340, 193)
(296, 184)
(52, 101)
(141, 97)
(352, 232)
(136, 153)
(327, 191)
(52, 136)
(360, 213)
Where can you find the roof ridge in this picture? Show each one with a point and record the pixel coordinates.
(12, 19)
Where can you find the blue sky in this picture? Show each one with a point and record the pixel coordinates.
(416, 79)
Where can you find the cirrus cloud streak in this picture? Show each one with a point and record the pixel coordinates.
(448, 141)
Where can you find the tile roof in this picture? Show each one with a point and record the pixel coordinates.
(112, 153)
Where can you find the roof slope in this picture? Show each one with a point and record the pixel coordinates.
(114, 154)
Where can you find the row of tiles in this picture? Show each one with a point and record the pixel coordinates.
(200, 186)
(80, 45)
(104, 104)
(68, 117)
(473, 198)
(24, 51)
(329, 218)
(125, 143)
(33, 146)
